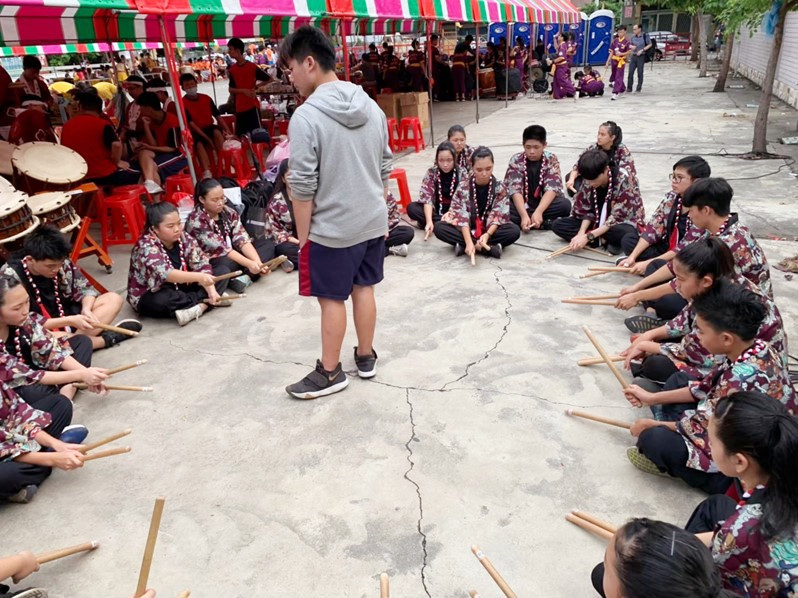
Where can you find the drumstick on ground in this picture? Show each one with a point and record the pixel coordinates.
(227, 297)
(474, 258)
(99, 443)
(598, 418)
(492, 572)
(559, 252)
(84, 386)
(46, 557)
(129, 366)
(599, 251)
(595, 520)
(588, 526)
(185, 594)
(107, 453)
(146, 562)
(601, 271)
(385, 590)
(235, 274)
(473, 593)
(597, 360)
(580, 301)
(608, 269)
(592, 274)
(116, 329)
(605, 356)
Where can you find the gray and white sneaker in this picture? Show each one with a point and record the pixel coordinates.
(31, 593)
(287, 266)
(319, 383)
(25, 495)
(366, 364)
(152, 187)
(400, 250)
(240, 283)
(184, 316)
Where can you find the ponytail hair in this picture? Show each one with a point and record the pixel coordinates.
(709, 256)
(481, 152)
(654, 559)
(615, 131)
(762, 428)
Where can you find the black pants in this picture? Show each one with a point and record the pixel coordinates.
(399, 235)
(290, 250)
(560, 208)
(568, 227)
(636, 63)
(170, 298)
(666, 448)
(81, 349)
(247, 121)
(669, 306)
(415, 211)
(224, 265)
(629, 242)
(505, 235)
(15, 476)
(657, 368)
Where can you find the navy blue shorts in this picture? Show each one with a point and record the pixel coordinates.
(330, 273)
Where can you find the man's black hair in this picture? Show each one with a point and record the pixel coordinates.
(535, 133)
(149, 100)
(695, 166)
(309, 41)
(90, 101)
(46, 243)
(31, 62)
(714, 193)
(186, 77)
(236, 43)
(592, 163)
(730, 307)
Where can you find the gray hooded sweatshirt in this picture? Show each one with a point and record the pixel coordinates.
(341, 161)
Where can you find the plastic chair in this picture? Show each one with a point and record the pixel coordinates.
(230, 120)
(268, 124)
(178, 183)
(137, 191)
(412, 135)
(400, 176)
(121, 220)
(394, 135)
(233, 164)
(280, 127)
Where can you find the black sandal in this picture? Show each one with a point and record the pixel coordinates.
(641, 324)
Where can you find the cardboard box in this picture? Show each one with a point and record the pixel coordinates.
(414, 98)
(389, 102)
(416, 105)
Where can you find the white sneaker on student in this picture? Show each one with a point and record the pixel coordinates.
(400, 250)
(614, 96)
(184, 316)
(152, 187)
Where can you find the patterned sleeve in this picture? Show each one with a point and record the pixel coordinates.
(624, 158)
(655, 228)
(459, 214)
(427, 193)
(199, 228)
(19, 425)
(691, 235)
(239, 233)
(681, 324)
(196, 260)
(15, 373)
(48, 351)
(501, 210)
(514, 177)
(150, 264)
(279, 218)
(77, 285)
(393, 211)
(581, 208)
(552, 177)
(627, 206)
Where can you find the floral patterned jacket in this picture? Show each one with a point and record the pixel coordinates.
(429, 194)
(749, 259)
(394, 217)
(214, 238)
(620, 158)
(464, 159)
(656, 228)
(626, 205)
(72, 284)
(749, 564)
(19, 424)
(690, 356)
(550, 177)
(459, 213)
(36, 351)
(280, 220)
(150, 264)
(758, 369)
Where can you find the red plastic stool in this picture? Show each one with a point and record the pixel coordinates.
(280, 127)
(400, 176)
(126, 191)
(233, 164)
(268, 124)
(261, 152)
(394, 135)
(178, 182)
(230, 120)
(121, 220)
(412, 135)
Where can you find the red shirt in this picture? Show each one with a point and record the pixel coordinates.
(166, 133)
(31, 125)
(200, 111)
(244, 76)
(89, 135)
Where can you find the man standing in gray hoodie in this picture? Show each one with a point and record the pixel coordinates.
(338, 170)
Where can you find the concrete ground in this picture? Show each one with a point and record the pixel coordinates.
(461, 439)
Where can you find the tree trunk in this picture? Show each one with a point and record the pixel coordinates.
(694, 38)
(720, 84)
(702, 40)
(761, 123)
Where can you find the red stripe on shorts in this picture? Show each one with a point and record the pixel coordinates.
(304, 270)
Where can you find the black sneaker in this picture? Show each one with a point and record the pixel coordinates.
(641, 324)
(319, 383)
(496, 251)
(25, 495)
(31, 593)
(114, 338)
(547, 225)
(366, 364)
(458, 250)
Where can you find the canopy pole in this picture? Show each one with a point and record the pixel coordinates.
(213, 75)
(168, 51)
(345, 48)
(507, 62)
(430, 81)
(476, 69)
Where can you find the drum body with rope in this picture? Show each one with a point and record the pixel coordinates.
(43, 166)
(487, 81)
(16, 220)
(54, 208)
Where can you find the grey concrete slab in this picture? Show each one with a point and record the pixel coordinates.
(461, 439)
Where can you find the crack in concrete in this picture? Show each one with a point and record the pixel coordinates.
(418, 493)
(501, 336)
(244, 354)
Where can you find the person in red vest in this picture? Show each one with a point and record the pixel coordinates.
(200, 113)
(244, 77)
(32, 123)
(6, 103)
(162, 138)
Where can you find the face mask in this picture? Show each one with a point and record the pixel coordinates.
(191, 93)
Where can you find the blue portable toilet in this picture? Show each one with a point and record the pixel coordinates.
(547, 33)
(522, 30)
(579, 30)
(600, 28)
(496, 31)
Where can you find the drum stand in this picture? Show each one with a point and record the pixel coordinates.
(83, 244)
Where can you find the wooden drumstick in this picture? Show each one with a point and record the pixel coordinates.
(588, 302)
(592, 297)
(559, 252)
(592, 274)
(185, 594)
(146, 562)
(597, 360)
(84, 386)
(116, 329)
(599, 251)
(107, 453)
(609, 269)
(590, 527)
(274, 263)
(492, 572)
(235, 274)
(129, 366)
(226, 297)
(46, 557)
(99, 443)
(598, 418)
(473, 593)
(595, 520)
(385, 591)
(616, 372)
(474, 258)
(427, 235)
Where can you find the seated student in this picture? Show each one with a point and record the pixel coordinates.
(222, 238)
(675, 364)
(399, 234)
(281, 224)
(24, 432)
(33, 361)
(607, 206)
(32, 123)
(728, 318)
(534, 183)
(657, 242)
(457, 137)
(201, 112)
(479, 217)
(754, 440)
(437, 189)
(161, 135)
(610, 141)
(170, 276)
(61, 293)
(130, 124)
(654, 559)
(708, 203)
(159, 87)
(589, 83)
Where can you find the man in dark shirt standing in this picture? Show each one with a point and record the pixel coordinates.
(244, 77)
(641, 42)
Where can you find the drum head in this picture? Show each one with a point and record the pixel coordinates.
(11, 201)
(6, 186)
(6, 150)
(49, 162)
(43, 203)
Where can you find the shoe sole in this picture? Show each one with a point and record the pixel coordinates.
(320, 393)
(642, 462)
(367, 374)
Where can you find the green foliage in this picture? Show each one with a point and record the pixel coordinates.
(69, 59)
